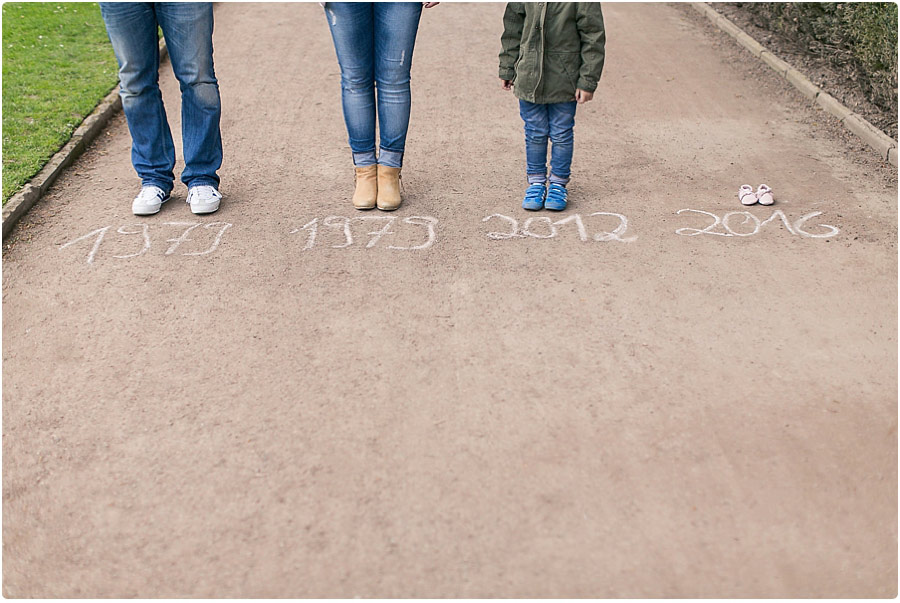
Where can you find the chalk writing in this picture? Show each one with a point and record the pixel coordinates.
(383, 227)
(143, 231)
(745, 224)
(543, 227)
(176, 243)
(145, 235)
(419, 232)
(100, 232)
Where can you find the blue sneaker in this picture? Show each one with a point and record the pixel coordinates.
(534, 197)
(556, 197)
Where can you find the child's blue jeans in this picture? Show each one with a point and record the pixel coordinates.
(188, 28)
(374, 43)
(555, 121)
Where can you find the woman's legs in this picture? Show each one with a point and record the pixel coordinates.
(353, 32)
(395, 26)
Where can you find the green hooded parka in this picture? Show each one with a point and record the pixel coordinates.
(550, 49)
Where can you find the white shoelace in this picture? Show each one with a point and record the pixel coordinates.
(150, 194)
(205, 193)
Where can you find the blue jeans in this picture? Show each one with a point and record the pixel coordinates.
(188, 28)
(555, 121)
(374, 43)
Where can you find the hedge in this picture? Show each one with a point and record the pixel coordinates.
(858, 35)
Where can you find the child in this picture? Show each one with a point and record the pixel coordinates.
(553, 54)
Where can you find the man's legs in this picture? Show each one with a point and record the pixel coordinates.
(188, 29)
(132, 30)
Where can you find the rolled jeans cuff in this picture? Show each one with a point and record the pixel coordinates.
(390, 158)
(554, 179)
(365, 158)
(537, 178)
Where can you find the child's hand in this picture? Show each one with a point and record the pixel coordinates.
(430, 4)
(583, 96)
(506, 84)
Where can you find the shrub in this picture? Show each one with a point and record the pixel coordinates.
(860, 36)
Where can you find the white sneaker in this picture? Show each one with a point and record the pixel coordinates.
(204, 199)
(149, 200)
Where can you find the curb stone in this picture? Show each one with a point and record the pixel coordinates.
(750, 44)
(806, 87)
(832, 105)
(19, 204)
(869, 133)
(779, 66)
(884, 145)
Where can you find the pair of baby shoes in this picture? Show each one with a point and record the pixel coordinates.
(763, 195)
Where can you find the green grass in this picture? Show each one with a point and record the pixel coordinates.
(57, 65)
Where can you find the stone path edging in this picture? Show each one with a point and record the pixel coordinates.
(884, 145)
(84, 135)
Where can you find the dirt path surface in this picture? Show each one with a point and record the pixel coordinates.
(267, 409)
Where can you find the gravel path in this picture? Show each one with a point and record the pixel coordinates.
(672, 397)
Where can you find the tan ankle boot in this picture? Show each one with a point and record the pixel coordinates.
(388, 188)
(366, 193)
